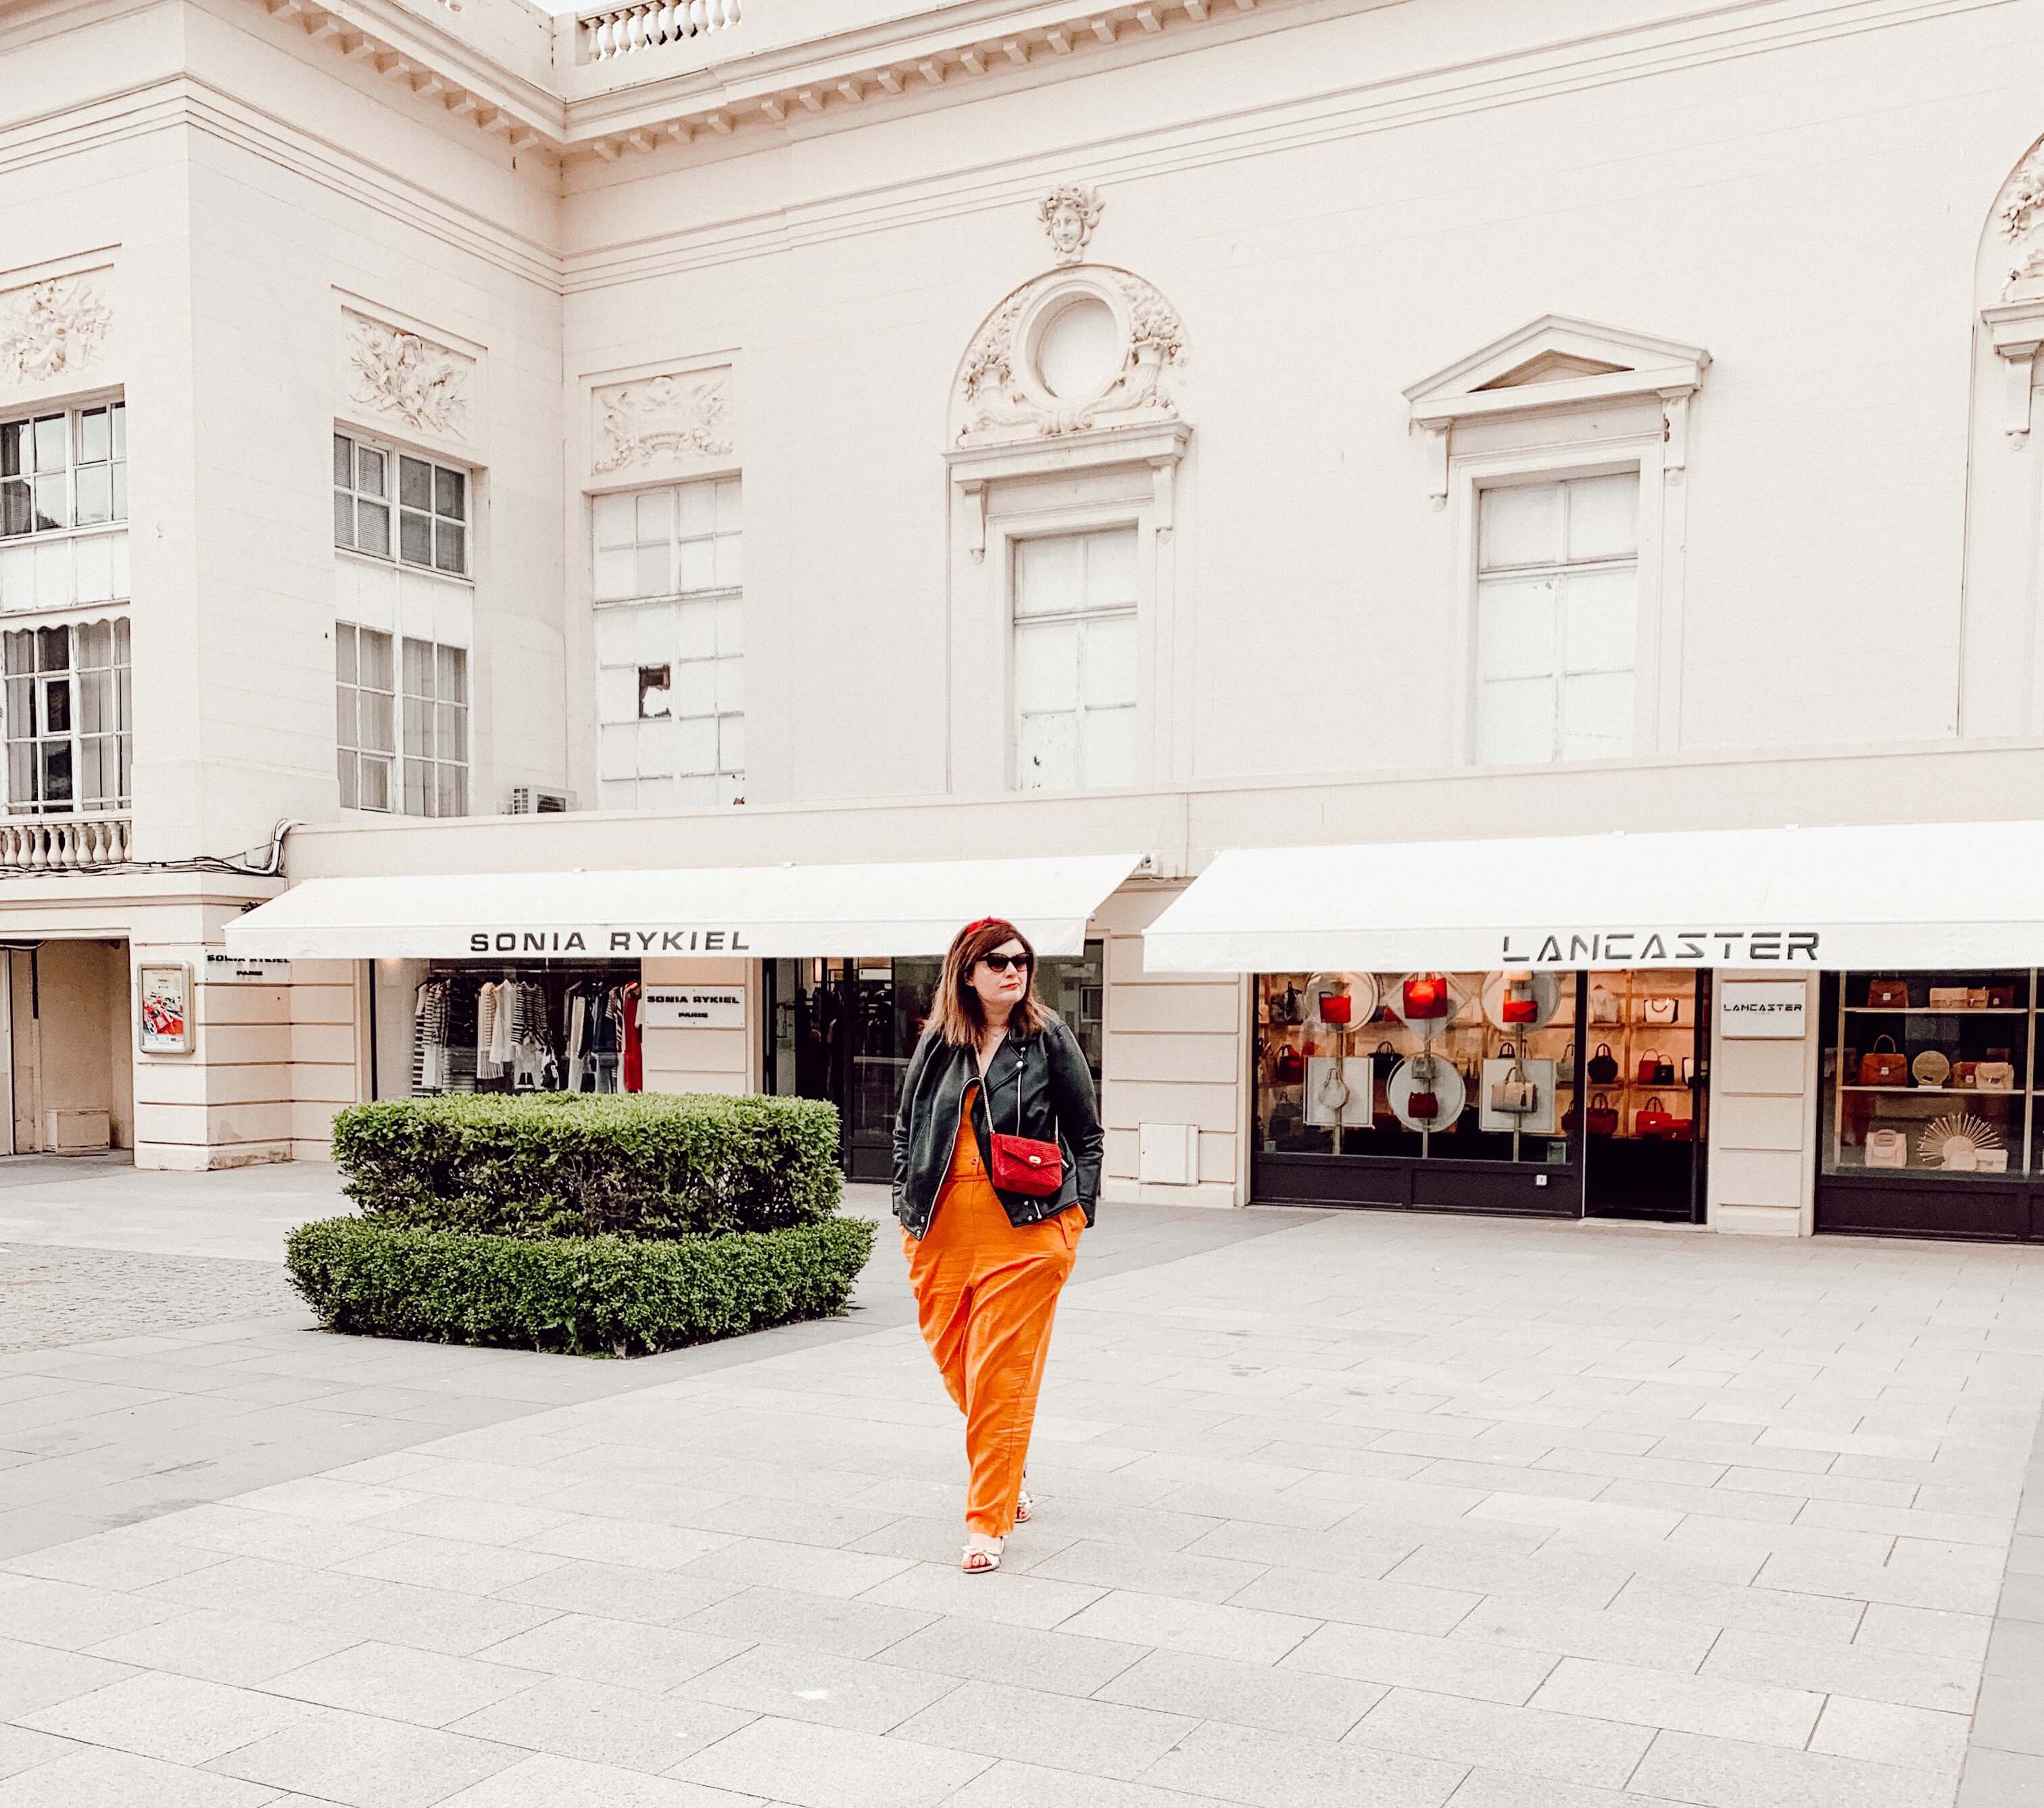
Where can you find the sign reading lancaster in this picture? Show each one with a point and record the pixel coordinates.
(1658, 947)
(596, 941)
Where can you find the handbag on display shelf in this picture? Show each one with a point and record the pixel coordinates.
(1965, 1075)
(1512, 1094)
(2001, 997)
(1887, 995)
(1603, 1066)
(1426, 995)
(1288, 1065)
(1660, 1010)
(1521, 1005)
(1994, 1076)
(1949, 998)
(1335, 1008)
(1605, 1006)
(1385, 1060)
(1652, 1118)
(1601, 1120)
(1650, 1066)
(1664, 1071)
(1886, 1148)
(1686, 1074)
(1883, 1067)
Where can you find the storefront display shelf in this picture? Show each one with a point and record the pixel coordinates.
(1940, 1092)
(1936, 1010)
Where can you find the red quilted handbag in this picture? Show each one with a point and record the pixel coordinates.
(1023, 1165)
(1521, 1005)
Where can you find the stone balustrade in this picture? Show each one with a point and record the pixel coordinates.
(56, 844)
(619, 31)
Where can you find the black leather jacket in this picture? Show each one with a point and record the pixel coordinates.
(1047, 1072)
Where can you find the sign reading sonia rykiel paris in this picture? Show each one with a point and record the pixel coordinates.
(1644, 947)
(608, 942)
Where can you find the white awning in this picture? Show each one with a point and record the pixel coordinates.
(757, 911)
(1925, 894)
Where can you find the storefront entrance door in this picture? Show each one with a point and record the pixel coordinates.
(844, 1030)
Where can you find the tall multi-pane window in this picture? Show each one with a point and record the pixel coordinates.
(431, 502)
(70, 718)
(63, 509)
(435, 736)
(1557, 618)
(365, 726)
(670, 646)
(436, 730)
(1076, 661)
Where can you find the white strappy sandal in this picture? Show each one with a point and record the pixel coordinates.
(1025, 1508)
(982, 1554)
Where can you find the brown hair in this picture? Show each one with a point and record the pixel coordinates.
(955, 1016)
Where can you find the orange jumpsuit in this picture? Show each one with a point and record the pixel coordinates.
(986, 1291)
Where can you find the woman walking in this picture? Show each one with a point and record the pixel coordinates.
(996, 1169)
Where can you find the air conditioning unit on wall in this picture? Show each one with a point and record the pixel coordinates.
(537, 800)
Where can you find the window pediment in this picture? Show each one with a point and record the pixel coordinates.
(1556, 362)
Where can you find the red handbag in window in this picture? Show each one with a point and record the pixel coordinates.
(1426, 996)
(1652, 1118)
(1425, 1106)
(1887, 995)
(1335, 1007)
(1520, 1005)
(1601, 1120)
(1650, 1064)
(1288, 1065)
(1884, 1066)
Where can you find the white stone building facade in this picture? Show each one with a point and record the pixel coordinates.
(847, 432)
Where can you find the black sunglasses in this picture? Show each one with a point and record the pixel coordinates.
(1001, 963)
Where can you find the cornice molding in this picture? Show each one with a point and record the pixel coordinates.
(1356, 110)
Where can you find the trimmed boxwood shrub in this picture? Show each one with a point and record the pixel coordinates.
(587, 1296)
(562, 1164)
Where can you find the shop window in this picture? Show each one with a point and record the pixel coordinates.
(1932, 1075)
(1557, 618)
(63, 509)
(70, 719)
(452, 1027)
(1075, 661)
(1598, 1072)
(373, 483)
(670, 646)
(433, 779)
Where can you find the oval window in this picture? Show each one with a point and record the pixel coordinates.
(1078, 349)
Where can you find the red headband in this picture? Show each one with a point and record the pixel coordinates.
(974, 928)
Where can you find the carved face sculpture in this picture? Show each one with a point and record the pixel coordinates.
(1068, 225)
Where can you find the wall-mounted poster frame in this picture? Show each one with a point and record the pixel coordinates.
(162, 1008)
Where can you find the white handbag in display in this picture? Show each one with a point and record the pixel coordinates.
(1605, 1006)
(1994, 1076)
(1886, 1148)
(1660, 1010)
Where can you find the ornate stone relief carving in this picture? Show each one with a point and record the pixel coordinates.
(664, 417)
(1002, 396)
(395, 373)
(1069, 215)
(50, 329)
(2020, 217)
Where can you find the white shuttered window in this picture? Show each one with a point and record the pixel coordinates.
(1557, 620)
(1075, 661)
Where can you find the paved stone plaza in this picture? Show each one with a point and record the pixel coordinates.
(1335, 1510)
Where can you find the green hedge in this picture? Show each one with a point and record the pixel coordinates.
(624, 1165)
(587, 1296)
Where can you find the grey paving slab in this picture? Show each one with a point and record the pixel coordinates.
(97, 1777)
(363, 1761)
(599, 1723)
(826, 1767)
(1726, 1773)
(1568, 1748)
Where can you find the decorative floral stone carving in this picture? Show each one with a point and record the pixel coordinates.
(664, 417)
(1002, 397)
(2020, 216)
(1069, 215)
(423, 385)
(50, 329)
